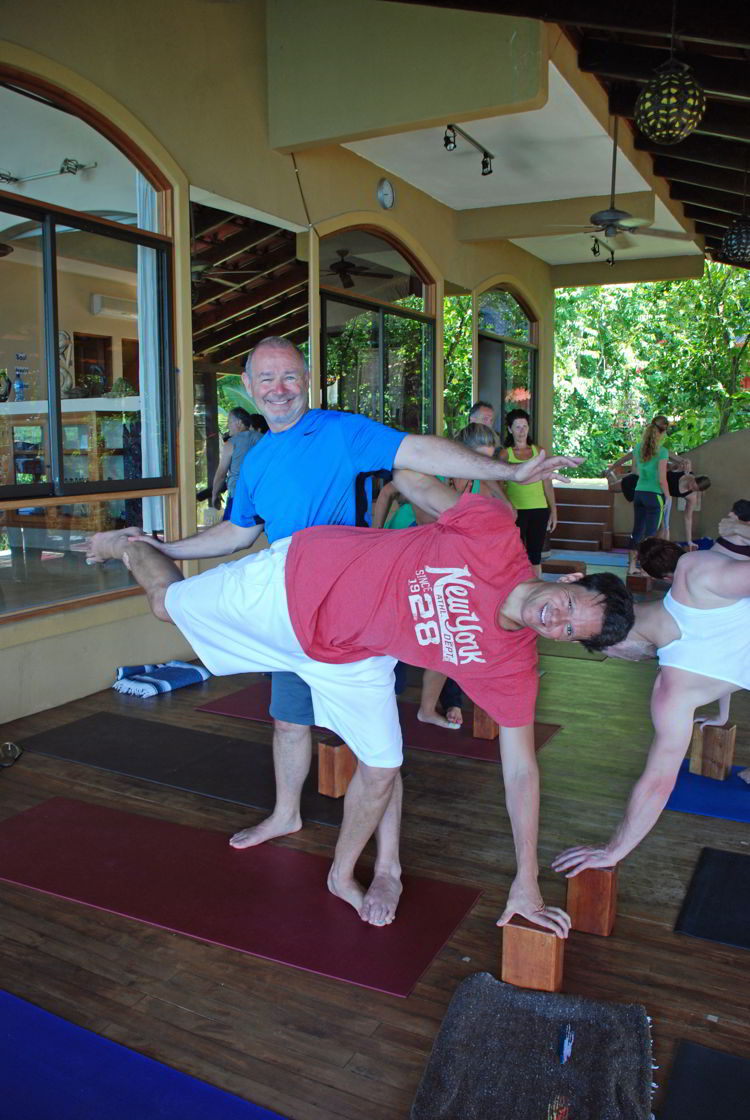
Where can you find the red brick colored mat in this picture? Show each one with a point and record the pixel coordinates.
(252, 703)
(270, 901)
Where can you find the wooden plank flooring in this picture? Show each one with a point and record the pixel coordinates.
(317, 1049)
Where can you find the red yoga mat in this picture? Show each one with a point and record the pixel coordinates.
(252, 703)
(270, 901)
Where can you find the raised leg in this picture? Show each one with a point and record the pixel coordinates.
(149, 567)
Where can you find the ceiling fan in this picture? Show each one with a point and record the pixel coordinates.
(616, 224)
(346, 269)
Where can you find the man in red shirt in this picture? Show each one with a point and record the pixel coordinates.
(339, 605)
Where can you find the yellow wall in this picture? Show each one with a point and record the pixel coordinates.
(187, 81)
(376, 68)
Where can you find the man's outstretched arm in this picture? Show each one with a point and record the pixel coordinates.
(521, 780)
(672, 711)
(425, 491)
(433, 455)
(219, 540)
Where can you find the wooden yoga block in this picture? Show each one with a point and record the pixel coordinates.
(563, 567)
(712, 751)
(592, 900)
(336, 766)
(532, 956)
(638, 581)
(484, 725)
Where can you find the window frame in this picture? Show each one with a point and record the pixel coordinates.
(531, 344)
(364, 303)
(48, 217)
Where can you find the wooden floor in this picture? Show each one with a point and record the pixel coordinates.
(314, 1049)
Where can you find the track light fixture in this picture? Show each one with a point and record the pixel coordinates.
(596, 251)
(449, 139)
(449, 143)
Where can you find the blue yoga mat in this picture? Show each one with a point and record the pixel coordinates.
(602, 559)
(53, 1068)
(729, 799)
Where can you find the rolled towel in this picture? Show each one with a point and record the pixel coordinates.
(150, 680)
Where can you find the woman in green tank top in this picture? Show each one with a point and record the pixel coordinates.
(652, 489)
(536, 510)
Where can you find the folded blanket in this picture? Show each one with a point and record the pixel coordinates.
(150, 680)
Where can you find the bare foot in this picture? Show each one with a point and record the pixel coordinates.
(745, 775)
(455, 715)
(439, 721)
(268, 829)
(348, 890)
(109, 545)
(381, 900)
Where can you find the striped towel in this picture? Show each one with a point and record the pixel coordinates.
(150, 680)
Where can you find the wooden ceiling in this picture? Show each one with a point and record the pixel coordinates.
(623, 44)
(247, 283)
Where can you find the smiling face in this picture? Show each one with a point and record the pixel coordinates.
(562, 611)
(278, 384)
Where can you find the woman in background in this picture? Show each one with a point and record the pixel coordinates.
(652, 488)
(535, 507)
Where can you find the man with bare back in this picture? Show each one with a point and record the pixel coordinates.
(700, 633)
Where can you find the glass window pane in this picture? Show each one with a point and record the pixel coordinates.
(500, 313)
(114, 426)
(366, 265)
(407, 391)
(41, 562)
(53, 156)
(24, 430)
(352, 353)
(518, 379)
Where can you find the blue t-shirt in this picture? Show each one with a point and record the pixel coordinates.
(306, 475)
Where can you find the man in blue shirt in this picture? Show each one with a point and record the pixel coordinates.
(303, 473)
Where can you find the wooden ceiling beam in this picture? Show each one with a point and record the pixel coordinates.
(684, 171)
(709, 232)
(702, 196)
(264, 318)
(243, 346)
(711, 150)
(251, 297)
(718, 218)
(720, 119)
(246, 240)
(725, 77)
(262, 264)
(722, 23)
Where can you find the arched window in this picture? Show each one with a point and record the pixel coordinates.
(378, 330)
(87, 420)
(507, 354)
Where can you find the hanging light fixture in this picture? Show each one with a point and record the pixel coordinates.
(672, 103)
(735, 244)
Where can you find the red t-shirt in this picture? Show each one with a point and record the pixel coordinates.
(428, 596)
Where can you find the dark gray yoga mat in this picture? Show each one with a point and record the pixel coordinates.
(707, 1085)
(237, 770)
(717, 903)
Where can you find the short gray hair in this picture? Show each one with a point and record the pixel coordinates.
(478, 435)
(277, 343)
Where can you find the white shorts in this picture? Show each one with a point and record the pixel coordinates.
(236, 619)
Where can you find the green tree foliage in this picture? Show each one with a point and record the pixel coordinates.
(457, 362)
(625, 353)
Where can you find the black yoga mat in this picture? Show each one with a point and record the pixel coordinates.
(717, 903)
(238, 770)
(705, 1084)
